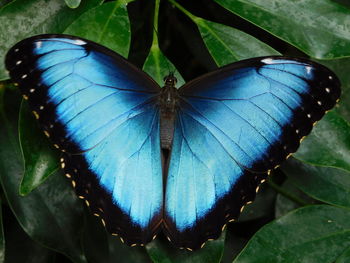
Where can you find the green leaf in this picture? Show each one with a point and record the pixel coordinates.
(158, 66)
(51, 213)
(235, 241)
(20, 247)
(24, 18)
(320, 28)
(329, 185)
(40, 160)
(328, 144)
(5, 2)
(290, 198)
(162, 251)
(227, 45)
(2, 239)
(317, 233)
(284, 205)
(262, 206)
(102, 247)
(345, 257)
(107, 24)
(72, 3)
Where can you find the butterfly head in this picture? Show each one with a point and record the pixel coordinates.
(169, 95)
(170, 80)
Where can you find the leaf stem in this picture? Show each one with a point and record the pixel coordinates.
(285, 193)
(155, 24)
(186, 12)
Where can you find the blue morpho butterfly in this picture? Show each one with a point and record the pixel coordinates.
(224, 131)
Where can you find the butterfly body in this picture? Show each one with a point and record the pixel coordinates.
(168, 103)
(224, 132)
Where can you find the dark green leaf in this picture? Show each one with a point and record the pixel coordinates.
(326, 184)
(312, 234)
(328, 144)
(24, 18)
(158, 66)
(290, 198)
(2, 239)
(40, 160)
(284, 205)
(72, 3)
(227, 45)
(49, 214)
(102, 247)
(262, 206)
(4, 2)
(107, 24)
(234, 243)
(162, 251)
(320, 28)
(345, 257)
(19, 247)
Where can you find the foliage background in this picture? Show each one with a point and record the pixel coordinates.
(300, 215)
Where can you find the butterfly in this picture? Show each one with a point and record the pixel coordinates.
(224, 132)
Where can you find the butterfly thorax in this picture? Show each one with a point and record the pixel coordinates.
(168, 100)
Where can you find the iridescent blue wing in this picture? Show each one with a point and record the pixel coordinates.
(101, 112)
(233, 126)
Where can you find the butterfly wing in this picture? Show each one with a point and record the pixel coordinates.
(233, 126)
(101, 112)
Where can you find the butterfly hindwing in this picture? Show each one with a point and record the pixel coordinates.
(233, 126)
(101, 112)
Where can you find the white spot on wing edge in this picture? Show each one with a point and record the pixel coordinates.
(79, 42)
(308, 69)
(267, 61)
(38, 44)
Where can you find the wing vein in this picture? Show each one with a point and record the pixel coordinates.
(217, 138)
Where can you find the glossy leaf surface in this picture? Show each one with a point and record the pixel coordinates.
(288, 240)
(24, 18)
(20, 247)
(227, 45)
(328, 144)
(107, 24)
(73, 3)
(101, 247)
(321, 29)
(53, 206)
(163, 252)
(40, 159)
(330, 185)
(158, 66)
